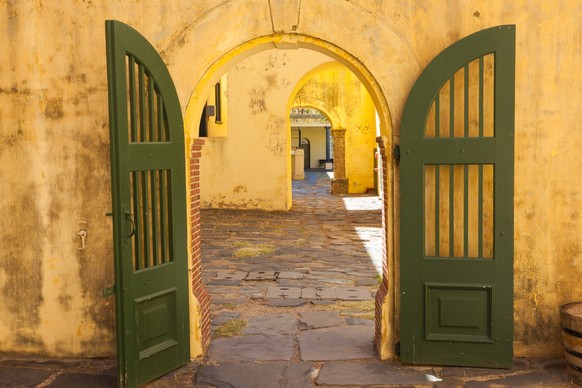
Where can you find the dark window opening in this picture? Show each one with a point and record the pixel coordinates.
(203, 130)
(217, 104)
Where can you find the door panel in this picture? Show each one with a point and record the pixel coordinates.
(149, 209)
(456, 188)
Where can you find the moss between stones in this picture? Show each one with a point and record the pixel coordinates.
(252, 250)
(230, 328)
(361, 309)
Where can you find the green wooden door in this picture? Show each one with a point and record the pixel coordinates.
(456, 195)
(149, 209)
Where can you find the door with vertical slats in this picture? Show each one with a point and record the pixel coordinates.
(456, 179)
(149, 209)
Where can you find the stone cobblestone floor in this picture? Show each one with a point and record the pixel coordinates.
(292, 305)
(325, 249)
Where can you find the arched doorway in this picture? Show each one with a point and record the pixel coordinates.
(306, 145)
(199, 304)
(389, 70)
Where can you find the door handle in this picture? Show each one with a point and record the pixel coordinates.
(131, 223)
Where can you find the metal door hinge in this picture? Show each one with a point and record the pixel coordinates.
(397, 153)
(108, 291)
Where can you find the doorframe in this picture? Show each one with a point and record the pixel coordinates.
(385, 300)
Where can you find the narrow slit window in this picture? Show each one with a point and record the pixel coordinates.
(217, 104)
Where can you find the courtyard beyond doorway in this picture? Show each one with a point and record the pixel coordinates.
(324, 254)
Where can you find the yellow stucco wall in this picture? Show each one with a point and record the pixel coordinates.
(54, 138)
(334, 87)
(250, 167)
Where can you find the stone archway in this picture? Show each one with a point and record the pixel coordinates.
(200, 301)
(338, 134)
(287, 30)
(335, 90)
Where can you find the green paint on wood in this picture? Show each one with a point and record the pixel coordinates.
(149, 210)
(456, 298)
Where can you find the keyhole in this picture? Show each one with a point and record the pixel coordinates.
(82, 234)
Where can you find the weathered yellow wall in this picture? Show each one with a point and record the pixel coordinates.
(54, 137)
(249, 168)
(335, 87)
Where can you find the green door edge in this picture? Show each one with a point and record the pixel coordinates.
(120, 36)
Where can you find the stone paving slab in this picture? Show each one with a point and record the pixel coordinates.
(558, 368)
(463, 372)
(261, 275)
(291, 283)
(367, 282)
(248, 291)
(230, 301)
(22, 377)
(337, 343)
(366, 274)
(353, 293)
(532, 379)
(224, 290)
(283, 293)
(290, 275)
(322, 302)
(271, 324)
(286, 302)
(224, 282)
(343, 282)
(318, 293)
(373, 373)
(252, 348)
(76, 380)
(252, 375)
(230, 275)
(319, 319)
(323, 274)
(359, 321)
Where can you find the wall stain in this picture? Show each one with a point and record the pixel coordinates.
(271, 80)
(12, 139)
(74, 76)
(54, 109)
(240, 189)
(257, 102)
(14, 89)
(65, 300)
(20, 260)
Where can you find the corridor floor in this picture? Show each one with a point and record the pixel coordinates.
(325, 249)
(293, 286)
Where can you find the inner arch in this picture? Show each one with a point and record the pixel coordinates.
(283, 42)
